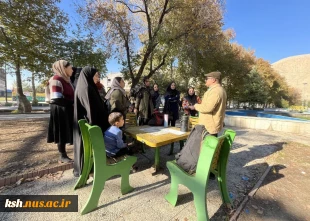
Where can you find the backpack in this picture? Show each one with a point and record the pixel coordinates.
(136, 91)
(187, 159)
(108, 106)
(157, 119)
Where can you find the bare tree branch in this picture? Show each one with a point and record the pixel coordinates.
(160, 65)
(141, 10)
(160, 21)
(129, 59)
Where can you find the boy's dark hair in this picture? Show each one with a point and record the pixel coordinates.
(115, 117)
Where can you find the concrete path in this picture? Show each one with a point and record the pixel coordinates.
(23, 116)
(248, 160)
(4, 108)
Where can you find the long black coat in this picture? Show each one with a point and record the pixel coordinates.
(87, 105)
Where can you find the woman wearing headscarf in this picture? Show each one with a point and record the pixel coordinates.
(100, 87)
(190, 99)
(60, 95)
(117, 96)
(156, 99)
(171, 107)
(87, 105)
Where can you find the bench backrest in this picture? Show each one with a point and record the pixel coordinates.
(93, 139)
(214, 151)
(131, 119)
(192, 122)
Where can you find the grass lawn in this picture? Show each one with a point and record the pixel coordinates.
(3, 98)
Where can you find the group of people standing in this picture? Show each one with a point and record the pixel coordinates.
(68, 105)
(149, 99)
(85, 98)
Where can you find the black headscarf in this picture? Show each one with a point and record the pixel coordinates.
(75, 75)
(155, 95)
(172, 92)
(192, 99)
(87, 105)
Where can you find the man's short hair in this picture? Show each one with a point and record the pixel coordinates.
(214, 74)
(145, 78)
(115, 117)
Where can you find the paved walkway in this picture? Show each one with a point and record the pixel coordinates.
(248, 160)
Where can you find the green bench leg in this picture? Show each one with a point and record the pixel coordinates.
(95, 194)
(125, 186)
(172, 196)
(201, 206)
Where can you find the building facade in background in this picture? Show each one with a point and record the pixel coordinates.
(107, 82)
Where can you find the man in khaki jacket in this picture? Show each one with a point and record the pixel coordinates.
(213, 105)
(144, 105)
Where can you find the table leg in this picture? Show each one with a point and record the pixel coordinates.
(181, 144)
(143, 149)
(171, 149)
(156, 165)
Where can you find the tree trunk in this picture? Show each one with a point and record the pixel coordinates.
(171, 69)
(34, 93)
(24, 105)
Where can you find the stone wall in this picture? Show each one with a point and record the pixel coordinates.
(287, 126)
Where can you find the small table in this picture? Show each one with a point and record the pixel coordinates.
(156, 137)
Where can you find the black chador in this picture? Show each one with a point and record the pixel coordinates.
(89, 106)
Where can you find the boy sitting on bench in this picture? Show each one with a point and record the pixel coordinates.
(114, 144)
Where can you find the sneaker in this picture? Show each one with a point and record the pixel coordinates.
(212, 176)
(65, 160)
(134, 169)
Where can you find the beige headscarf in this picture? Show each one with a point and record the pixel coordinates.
(115, 86)
(59, 69)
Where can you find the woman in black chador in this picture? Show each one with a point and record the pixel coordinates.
(171, 107)
(87, 105)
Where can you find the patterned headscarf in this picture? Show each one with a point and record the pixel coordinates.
(59, 69)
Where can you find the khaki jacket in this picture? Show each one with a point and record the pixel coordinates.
(212, 109)
(144, 103)
(119, 103)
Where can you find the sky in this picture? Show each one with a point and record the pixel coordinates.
(274, 29)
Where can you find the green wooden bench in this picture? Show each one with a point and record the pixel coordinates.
(213, 158)
(94, 153)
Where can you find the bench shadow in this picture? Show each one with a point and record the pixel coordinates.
(137, 191)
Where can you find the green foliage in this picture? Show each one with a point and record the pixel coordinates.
(157, 26)
(16, 112)
(254, 90)
(83, 52)
(29, 31)
(284, 103)
(297, 108)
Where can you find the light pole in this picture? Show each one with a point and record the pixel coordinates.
(304, 94)
(5, 85)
